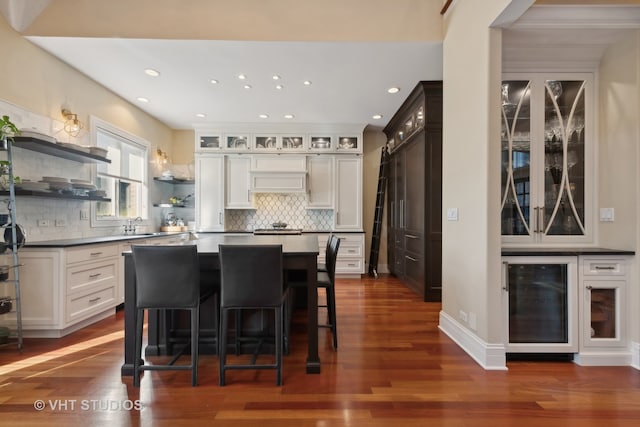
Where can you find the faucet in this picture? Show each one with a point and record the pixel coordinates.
(130, 226)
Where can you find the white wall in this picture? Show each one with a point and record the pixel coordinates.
(471, 181)
(618, 157)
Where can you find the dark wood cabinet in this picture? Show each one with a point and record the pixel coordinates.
(414, 202)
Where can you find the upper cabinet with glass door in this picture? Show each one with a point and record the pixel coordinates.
(279, 143)
(546, 159)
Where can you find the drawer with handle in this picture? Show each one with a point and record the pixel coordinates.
(603, 267)
(91, 275)
(91, 252)
(82, 306)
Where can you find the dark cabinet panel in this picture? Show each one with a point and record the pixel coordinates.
(414, 191)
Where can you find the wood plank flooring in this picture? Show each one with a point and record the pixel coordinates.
(393, 368)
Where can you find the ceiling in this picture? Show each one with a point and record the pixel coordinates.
(349, 80)
(351, 53)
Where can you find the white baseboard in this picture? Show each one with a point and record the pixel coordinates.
(635, 354)
(603, 358)
(489, 356)
(59, 333)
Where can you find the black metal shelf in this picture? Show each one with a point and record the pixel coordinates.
(29, 193)
(52, 149)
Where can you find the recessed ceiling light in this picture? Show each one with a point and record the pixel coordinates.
(289, 116)
(275, 77)
(393, 89)
(307, 82)
(201, 115)
(151, 72)
(279, 87)
(214, 81)
(247, 87)
(142, 99)
(242, 76)
(376, 116)
(263, 116)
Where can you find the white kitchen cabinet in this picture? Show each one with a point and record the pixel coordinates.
(270, 142)
(603, 314)
(209, 192)
(348, 193)
(320, 185)
(66, 289)
(237, 181)
(41, 290)
(547, 159)
(350, 261)
(91, 281)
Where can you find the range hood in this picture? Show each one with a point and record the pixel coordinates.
(278, 174)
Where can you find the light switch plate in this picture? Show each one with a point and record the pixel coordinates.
(607, 214)
(452, 214)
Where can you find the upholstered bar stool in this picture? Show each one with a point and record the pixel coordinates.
(326, 280)
(251, 277)
(167, 277)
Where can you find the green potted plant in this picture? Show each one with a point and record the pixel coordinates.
(7, 131)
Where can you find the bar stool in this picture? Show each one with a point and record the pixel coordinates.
(251, 277)
(167, 277)
(327, 281)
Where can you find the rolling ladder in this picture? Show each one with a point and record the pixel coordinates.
(377, 218)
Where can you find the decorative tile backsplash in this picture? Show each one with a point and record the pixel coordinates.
(271, 207)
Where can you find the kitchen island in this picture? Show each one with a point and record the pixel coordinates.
(300, 252)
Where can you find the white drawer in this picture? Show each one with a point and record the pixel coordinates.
(603, 267)
(350, 266)
(83, 277)
(83, 306)
(348, 251)
(91, 252)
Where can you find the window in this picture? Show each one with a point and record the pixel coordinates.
(124, 179)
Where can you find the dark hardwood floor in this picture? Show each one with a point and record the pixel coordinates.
(393, 368)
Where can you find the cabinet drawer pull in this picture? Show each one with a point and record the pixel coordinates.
(352, 251)
(411, 236)
(589, 287)
(95, 300)
(605, 268)
(410, 258)
(351, 265)
(93, 276)
(95, 253)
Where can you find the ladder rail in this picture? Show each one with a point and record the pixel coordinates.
(379, 210)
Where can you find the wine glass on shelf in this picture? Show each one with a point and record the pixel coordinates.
(578, 122)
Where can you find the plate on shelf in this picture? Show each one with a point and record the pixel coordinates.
(76, 147)
(33, 186)
(28, 133)
(55, 179)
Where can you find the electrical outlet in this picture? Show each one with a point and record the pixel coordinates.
(463, 316)
(61, 222)
(473, 321)
(84, 214)
(43, 223)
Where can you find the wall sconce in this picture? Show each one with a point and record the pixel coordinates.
(72, 125)
(161, 157)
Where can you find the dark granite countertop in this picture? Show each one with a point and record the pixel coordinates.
(563, 251)
(64, 243)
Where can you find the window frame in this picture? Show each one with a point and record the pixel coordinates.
(98, 125)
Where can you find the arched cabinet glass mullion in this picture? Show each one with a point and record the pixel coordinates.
(516, 157)
(564, 158)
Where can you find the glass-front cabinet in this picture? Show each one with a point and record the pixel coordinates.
(546, 158)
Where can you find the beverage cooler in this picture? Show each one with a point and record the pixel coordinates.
(540, 304)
